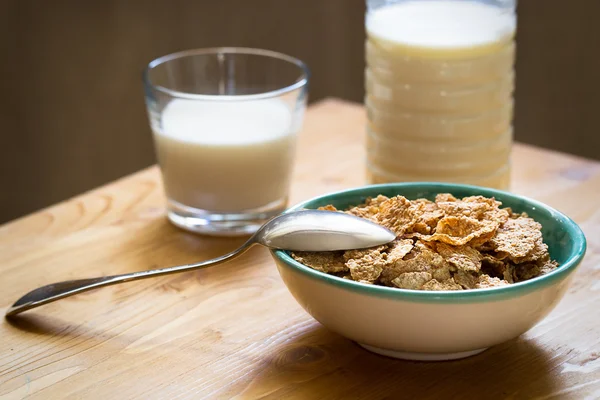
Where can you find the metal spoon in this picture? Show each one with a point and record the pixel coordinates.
(306, 230)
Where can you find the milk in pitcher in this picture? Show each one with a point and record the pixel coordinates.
(439, 91)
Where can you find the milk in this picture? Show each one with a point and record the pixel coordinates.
(439, 83)
(226, 156)
(442, 28)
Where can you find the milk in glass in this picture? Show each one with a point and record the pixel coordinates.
(225, 156)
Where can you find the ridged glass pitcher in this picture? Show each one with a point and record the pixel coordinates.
(439, 90)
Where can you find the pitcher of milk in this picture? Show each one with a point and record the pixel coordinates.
(439, 90)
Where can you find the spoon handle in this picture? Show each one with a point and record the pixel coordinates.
(60, 290)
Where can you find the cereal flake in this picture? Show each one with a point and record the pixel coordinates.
(420, 259)
(434, 284)
(462, 257)
(458, 231)
(397, 214)
(328, 262)
(328, 207)
(465, 279)
(517, 239)
(365, 265)
(486, 281)
(429, 215)
(369, 209)
(412, 280)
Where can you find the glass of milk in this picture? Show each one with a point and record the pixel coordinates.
(225, 122)
(439, 90)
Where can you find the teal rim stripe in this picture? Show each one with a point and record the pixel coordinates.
(464, 296)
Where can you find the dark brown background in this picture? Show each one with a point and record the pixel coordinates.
(72, 110)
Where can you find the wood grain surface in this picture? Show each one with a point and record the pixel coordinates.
(233, 331)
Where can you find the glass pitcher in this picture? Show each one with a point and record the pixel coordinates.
(439, 90)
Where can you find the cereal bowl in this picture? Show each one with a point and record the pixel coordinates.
(435, 325)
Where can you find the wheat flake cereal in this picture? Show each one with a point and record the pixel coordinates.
(447, 244)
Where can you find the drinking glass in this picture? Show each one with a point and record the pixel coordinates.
(225, 122)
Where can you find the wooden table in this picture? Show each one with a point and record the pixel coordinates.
(234, 330)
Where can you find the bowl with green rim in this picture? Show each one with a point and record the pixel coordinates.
(435, 325)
